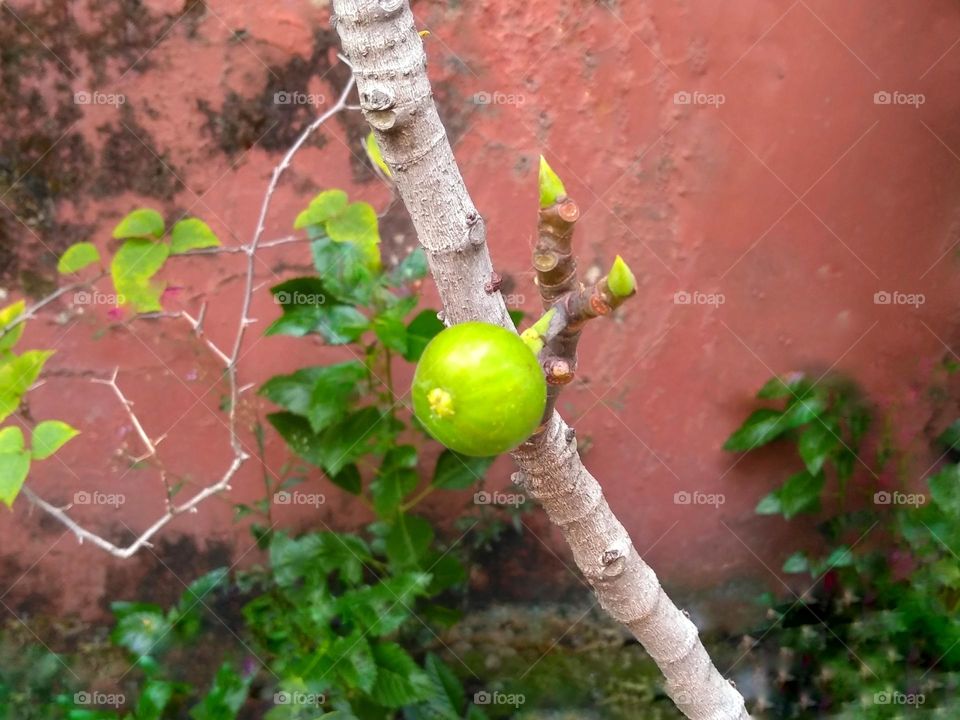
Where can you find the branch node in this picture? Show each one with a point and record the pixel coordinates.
(569, 211)
(494, 283)
(599, 305)
(558, 370)
(545, 262)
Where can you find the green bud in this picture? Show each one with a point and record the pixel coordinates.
(376, 157)
(620, 280)
(551, 187)
(534, 335)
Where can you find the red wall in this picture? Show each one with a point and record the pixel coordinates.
(796, 200)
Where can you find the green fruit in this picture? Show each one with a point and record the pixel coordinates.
(478, 389)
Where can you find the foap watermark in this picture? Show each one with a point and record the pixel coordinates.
(895, 697)
(285, 297)
(682, 497)
(683, 297)
(484, 497)
(299, 698)
(285, 497)
(95, 97)
(498, 98)
(515, 300)
(484, 697)
(899, 298)
(883, 497)
(100, 699)
(83, 497)
(895, 97)
(295, 97)
(685, 97)
(95, 297)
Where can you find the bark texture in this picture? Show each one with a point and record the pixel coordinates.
(381, 41)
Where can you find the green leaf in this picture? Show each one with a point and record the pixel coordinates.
(14, 465)
(132, 268)
(420, 331)
(336, 446)
(49, 436)
(797, 563)
(765, 425)
(802, 410)
(620, 279)
(352, 658)
(77, 257)
(8, 315)
(141, 223)
(950, 438)
(154, 698)
(308, 309)
(192, 234)
(348, 479)
(323, 207)
(551, 188)
(17, 375)
(391, 331)
(760, 428)
(201, 587)
(787, 386)
(517, 317)
(376, 157)
(446, 570)
(396, 478)
(839, 557)
(11, 439)
(358, 224)
(413, 267)
(142, 630)
(399, 681)
(344, 271)
(447, 699)
(457, 472)
(226, 696)
(321, 394)
(769, 505)
(799, 494)
(945, 490)
(816, 444)
(408, 540)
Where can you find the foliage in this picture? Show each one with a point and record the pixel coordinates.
(18, 373)
(876, 632)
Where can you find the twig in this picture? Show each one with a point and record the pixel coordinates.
(230, 361)
(32, 310)
(128, 406)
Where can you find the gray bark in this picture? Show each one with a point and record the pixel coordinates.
(381, 41)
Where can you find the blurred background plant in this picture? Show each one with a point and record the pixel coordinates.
(873, 631)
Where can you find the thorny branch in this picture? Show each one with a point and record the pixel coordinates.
(230, 360)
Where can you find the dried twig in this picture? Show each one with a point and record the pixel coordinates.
(230, 360)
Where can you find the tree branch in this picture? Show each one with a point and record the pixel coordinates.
(380, 39)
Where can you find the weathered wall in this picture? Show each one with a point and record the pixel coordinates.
(794, 200)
